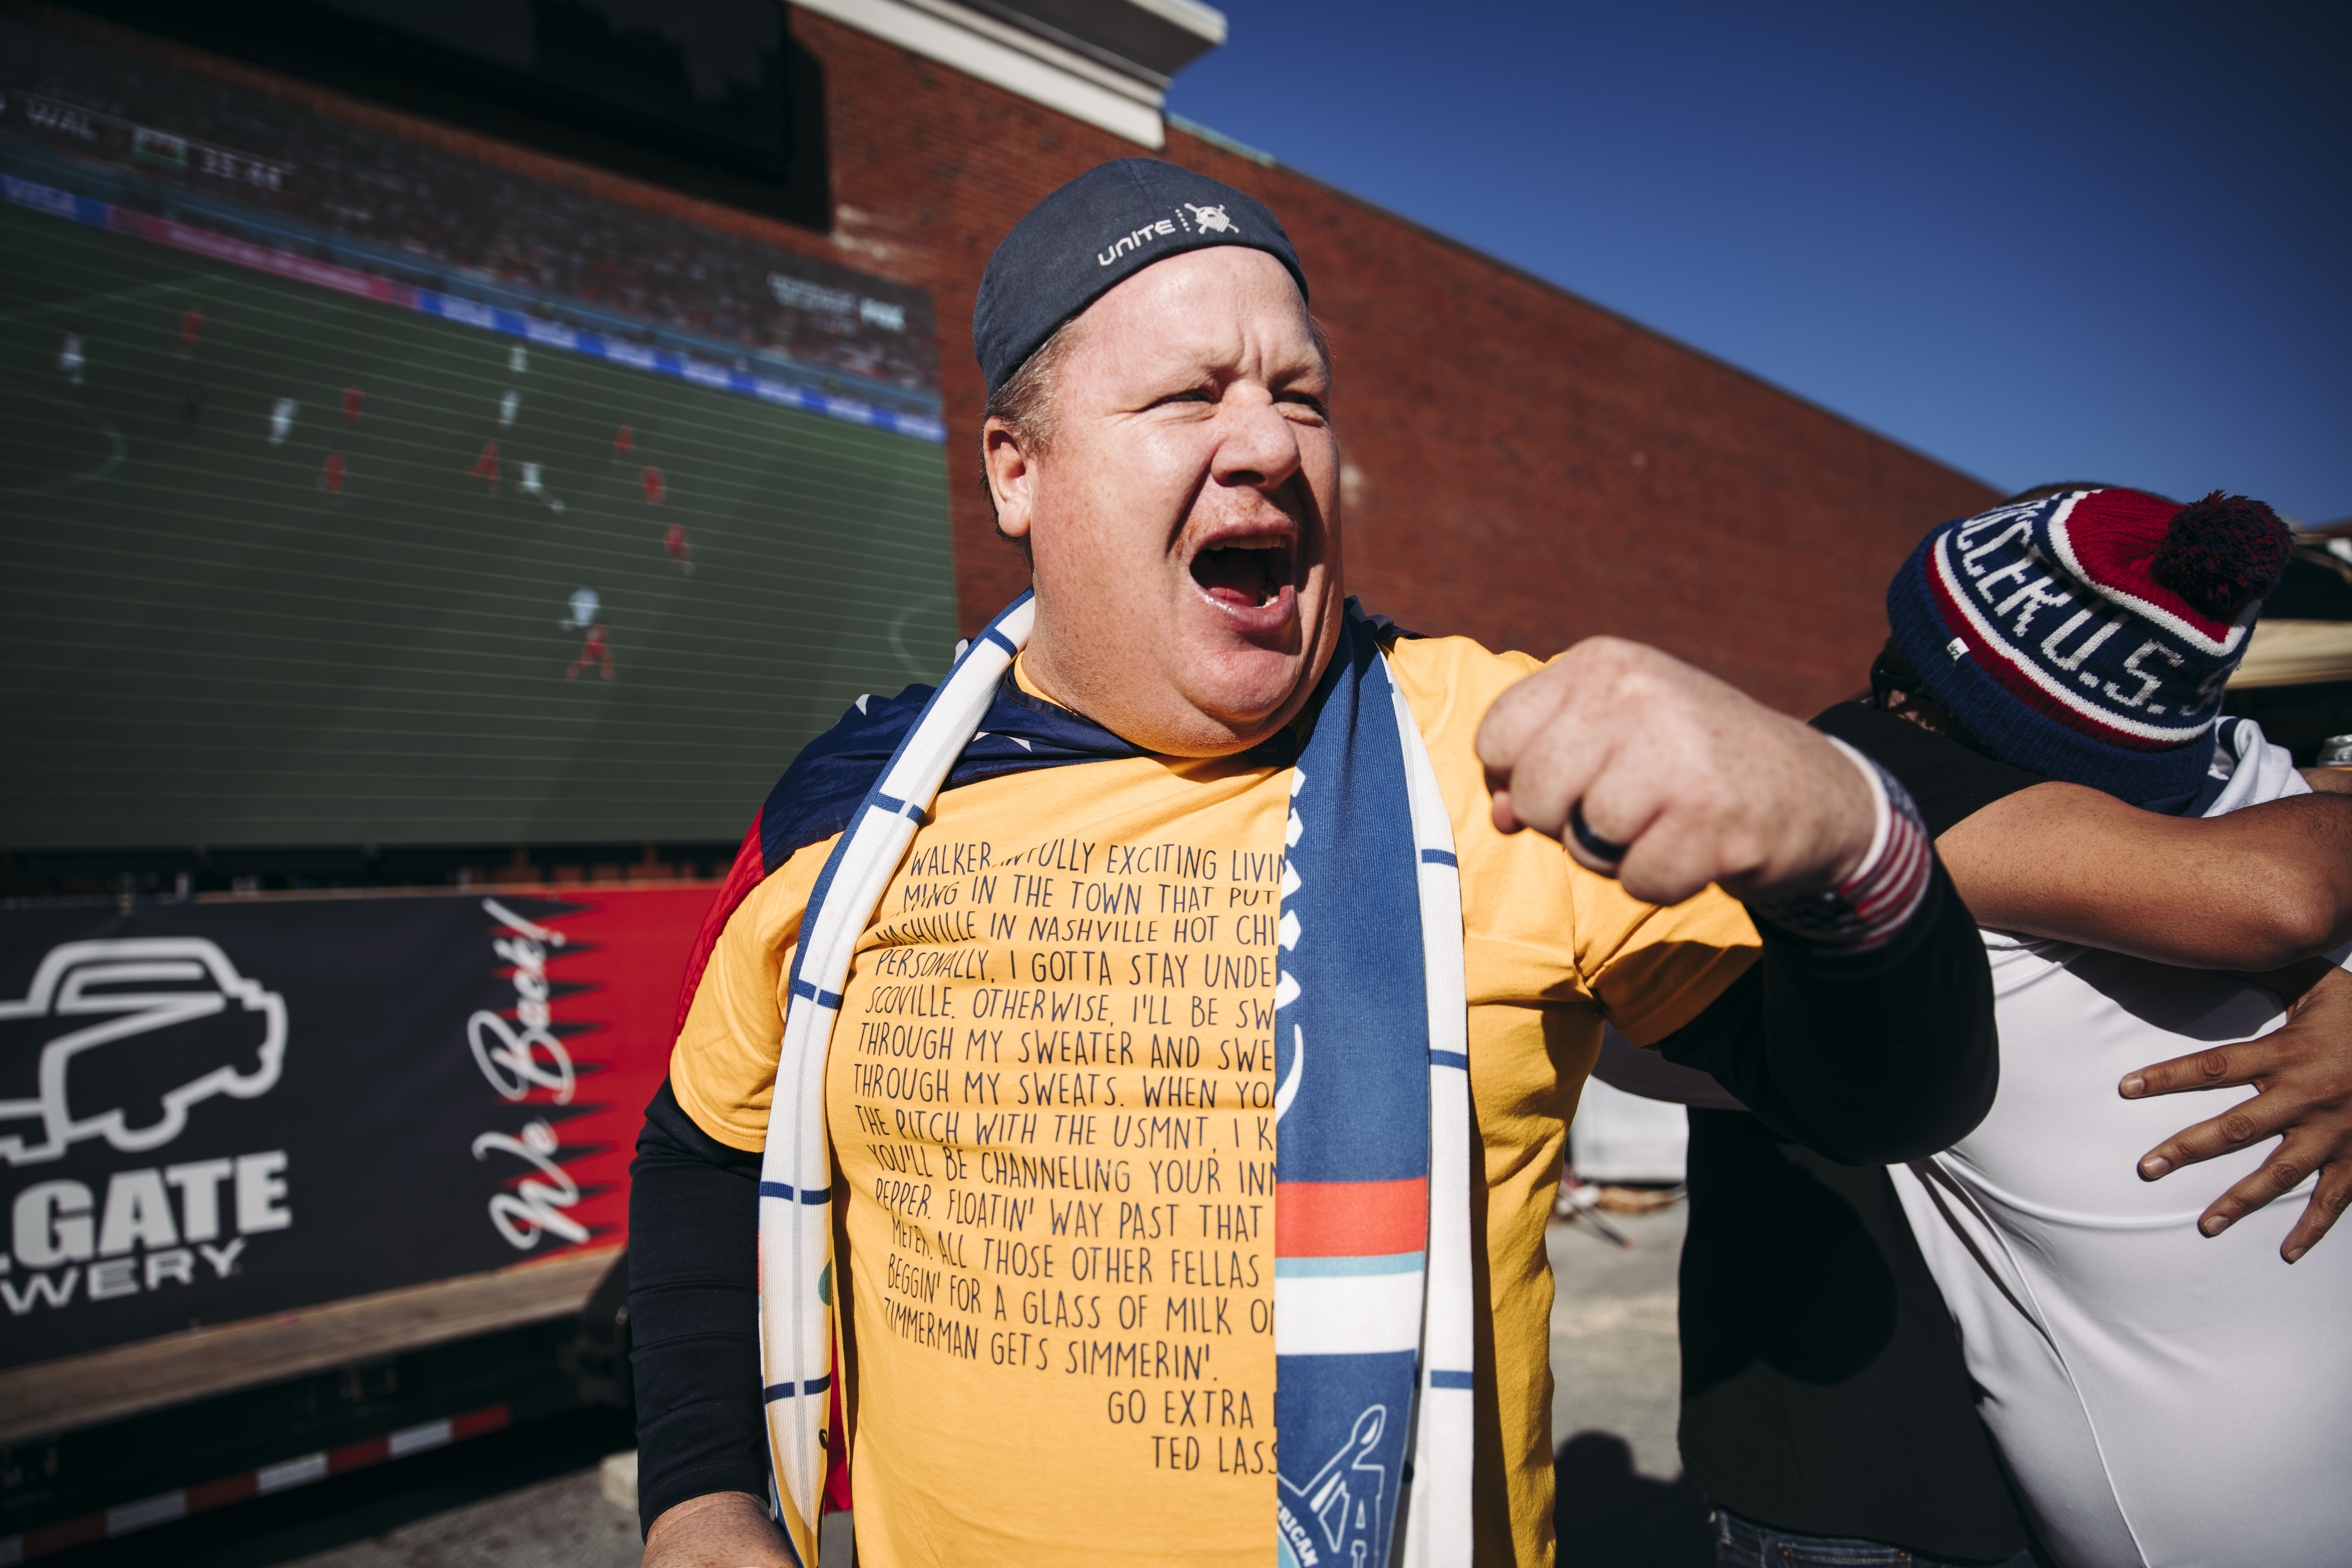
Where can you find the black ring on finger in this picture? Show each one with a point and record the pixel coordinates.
(1592, 843)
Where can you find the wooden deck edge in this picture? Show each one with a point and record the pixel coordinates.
(55, 1396)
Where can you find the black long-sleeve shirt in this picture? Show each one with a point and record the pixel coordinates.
(1836, 1401)
(694, 1313)
(1869, 1058)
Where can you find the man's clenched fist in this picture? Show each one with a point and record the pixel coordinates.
(1697, 783)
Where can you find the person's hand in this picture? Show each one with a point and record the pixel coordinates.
(1693, 782)
(2303, 1070)
(718, 1530)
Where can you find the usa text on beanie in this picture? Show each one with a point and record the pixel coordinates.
(2087, 636)
(1094, 233)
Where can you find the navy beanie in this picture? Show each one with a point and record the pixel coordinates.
(1094, 233)
(2087, 636)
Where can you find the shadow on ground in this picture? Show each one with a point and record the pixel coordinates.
(1610, 1515)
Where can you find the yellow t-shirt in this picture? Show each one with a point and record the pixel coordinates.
(1051, 1100)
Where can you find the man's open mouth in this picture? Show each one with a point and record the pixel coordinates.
(1246, 573)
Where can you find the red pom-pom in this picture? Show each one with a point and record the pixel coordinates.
(2223, 554)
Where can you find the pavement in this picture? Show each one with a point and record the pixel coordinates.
(1618, 1378)
(579, 1521)
(546, 1496)
(563, 1523)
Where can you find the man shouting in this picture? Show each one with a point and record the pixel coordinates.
(1119, 1095)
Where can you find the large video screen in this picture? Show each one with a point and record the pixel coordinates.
(364, 482)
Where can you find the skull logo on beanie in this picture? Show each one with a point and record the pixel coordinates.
(2087, 636)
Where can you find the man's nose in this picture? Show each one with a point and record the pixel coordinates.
(1257, 445)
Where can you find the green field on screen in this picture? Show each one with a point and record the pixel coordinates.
(343, 632)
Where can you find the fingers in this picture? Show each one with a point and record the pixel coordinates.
(1696, 782)
(2327, 1205)
(2306, 1095)
(1604, 733)
(2263, 1116)
(1516, 719)
(1606, 804)
(2286, 1169)
(1506, 819)
(1551, 779)
(2218, 1067)
(1541, 752)
(1671, 858)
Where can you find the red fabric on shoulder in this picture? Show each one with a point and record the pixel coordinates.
(836, 1447)
(750, 868)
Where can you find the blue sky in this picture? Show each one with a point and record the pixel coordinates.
(2036, 242)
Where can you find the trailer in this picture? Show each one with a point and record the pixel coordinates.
(300, 1185)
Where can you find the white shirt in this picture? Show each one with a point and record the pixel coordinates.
(2161, 1398)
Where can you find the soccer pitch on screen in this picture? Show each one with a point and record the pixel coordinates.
(286, 567)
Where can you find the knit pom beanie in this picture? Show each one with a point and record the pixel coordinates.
(2087, 636)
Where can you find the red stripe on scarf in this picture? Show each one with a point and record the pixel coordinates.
(1350, 1219)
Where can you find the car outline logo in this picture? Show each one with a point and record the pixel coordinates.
(62, 988)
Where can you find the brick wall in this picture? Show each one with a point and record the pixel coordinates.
(1522, 466)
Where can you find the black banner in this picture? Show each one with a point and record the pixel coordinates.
(212, 1111)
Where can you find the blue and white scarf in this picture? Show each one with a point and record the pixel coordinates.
(1373, 1311)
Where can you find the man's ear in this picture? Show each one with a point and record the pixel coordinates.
(1011, 471)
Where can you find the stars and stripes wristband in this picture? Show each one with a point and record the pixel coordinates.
(1869, 906)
